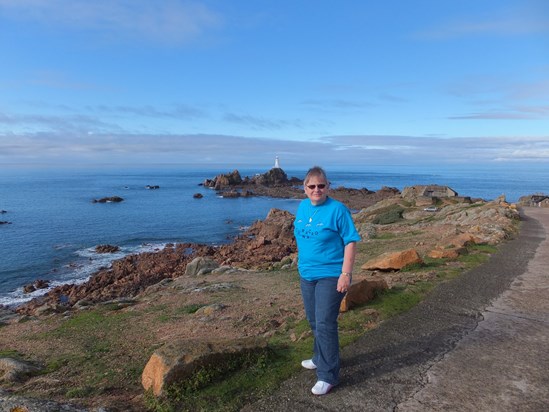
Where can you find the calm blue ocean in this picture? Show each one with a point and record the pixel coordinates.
(55, 226)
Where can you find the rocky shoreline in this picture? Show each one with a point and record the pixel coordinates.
(263, 245)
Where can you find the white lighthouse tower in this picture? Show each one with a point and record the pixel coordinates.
(277, 165)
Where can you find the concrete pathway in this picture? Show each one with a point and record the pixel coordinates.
(503, 365)
(478, 343)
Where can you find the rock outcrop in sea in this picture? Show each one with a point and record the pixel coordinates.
(275, 183)
(109, 199)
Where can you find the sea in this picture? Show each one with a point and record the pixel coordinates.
(54, 225)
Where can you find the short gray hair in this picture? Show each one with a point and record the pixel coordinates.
(316, 171)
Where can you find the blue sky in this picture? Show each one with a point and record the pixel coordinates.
(238, 82)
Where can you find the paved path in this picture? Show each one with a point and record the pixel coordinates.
(477, 343)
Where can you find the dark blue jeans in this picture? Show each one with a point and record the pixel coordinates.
(322, 300)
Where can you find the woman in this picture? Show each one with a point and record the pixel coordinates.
(326, 242)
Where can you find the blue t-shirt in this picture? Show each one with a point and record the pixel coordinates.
(321, 233)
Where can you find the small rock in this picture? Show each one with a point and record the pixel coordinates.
(210, 309)
(106, 249)
(111, 199)
(37, 284)
(13, 370)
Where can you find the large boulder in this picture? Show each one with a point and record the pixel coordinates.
(37, 284)
(361, 292)
(201, 266)
(446, 253)
(13, 370)
(277, 226)
(174, 363)
(393, 260)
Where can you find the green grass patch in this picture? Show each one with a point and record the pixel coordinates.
(189, 309)
(80, 392)
(413, 267)
(393, 301)
(483, 248)
(388, 215)
(10, 353)
(101, 354)
(385, 236)
(167, 314)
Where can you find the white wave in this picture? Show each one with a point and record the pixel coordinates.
(79, 271)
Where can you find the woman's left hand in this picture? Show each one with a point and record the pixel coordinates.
(343, 283)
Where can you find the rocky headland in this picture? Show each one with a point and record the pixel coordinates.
(276, 183)
(245, 292)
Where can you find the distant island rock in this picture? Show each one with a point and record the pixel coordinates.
(276, 177)
(106, 249)
(111, 199)
(4, 222)
(275, 183)
(37, 284)
(198, 196)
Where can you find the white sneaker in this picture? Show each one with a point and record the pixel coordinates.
(321, 388)
(308, 364)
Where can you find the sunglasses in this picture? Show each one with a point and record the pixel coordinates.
(313, 187)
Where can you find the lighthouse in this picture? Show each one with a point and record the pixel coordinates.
(277, 165)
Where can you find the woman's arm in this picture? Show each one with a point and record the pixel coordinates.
(347, 269)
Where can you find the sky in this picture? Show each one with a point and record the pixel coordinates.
(354, 82)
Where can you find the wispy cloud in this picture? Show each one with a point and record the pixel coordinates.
(496, 99)
(531, 17)
(75, 123)
(165, 21)
(433, 150)
(490, 116)
(336, 104)
(97, 119)
(179, 111)
(261, 123)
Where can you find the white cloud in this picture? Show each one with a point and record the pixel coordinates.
(166, 21)
(261, 123)
(526, 18)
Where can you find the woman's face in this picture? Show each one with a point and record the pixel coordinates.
(316, 189)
